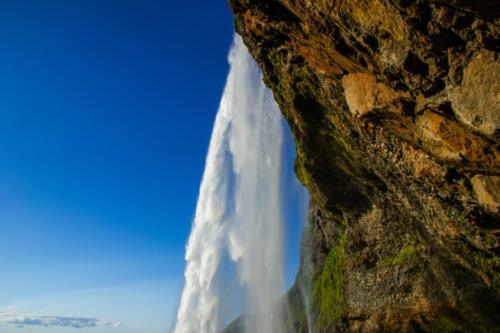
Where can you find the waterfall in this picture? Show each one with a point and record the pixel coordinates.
(238, 213)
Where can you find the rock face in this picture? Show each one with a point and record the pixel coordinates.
(394, 106)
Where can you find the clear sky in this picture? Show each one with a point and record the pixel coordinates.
(106, 109)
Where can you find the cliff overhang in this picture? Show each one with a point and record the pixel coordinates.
(395, 109)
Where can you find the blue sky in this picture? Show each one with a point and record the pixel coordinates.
(106, 109)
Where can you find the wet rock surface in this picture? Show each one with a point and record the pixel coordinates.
(394, 106)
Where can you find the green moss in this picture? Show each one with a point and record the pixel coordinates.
(300, 169)
(328, 288)
(407, 253)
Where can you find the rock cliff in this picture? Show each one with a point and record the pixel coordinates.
(395, 110)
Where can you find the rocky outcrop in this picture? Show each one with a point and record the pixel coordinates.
(394, 106)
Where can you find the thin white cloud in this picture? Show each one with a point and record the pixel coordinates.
(13, 318)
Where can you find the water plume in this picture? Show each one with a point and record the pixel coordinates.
(238, 211)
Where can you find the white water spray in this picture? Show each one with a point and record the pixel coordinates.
(239, 206)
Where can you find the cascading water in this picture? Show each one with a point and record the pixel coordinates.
(239, 207)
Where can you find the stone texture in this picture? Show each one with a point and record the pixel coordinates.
(363, 94)
(394, 109)
(477, 100)
(487, 190)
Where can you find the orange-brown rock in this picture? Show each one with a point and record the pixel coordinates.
(364, 94)
(476, 101)
(394, 107)
(487, 190)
